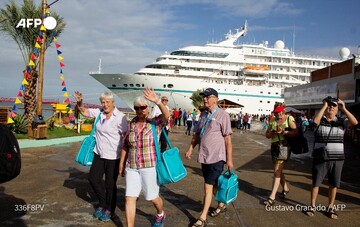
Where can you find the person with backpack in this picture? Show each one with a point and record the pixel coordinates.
(280, 127)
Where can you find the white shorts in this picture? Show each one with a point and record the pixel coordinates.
(145, 179)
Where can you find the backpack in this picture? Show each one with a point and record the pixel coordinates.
(10, 159)
(299, 144)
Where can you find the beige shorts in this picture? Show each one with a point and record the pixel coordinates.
(144, 180)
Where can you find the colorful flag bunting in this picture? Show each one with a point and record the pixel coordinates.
(62, 77)
(12, 114)
(25, 82)
(31, 63)
(60, 58)
(10, 121)
(33, 56)
(27, 75)
(66, 94)
(67, 100)
(63, 83)
(17, 101)
(39, 39)
(20, 94)
(62, 64)
(64, 89)
(59, 52)
(22, 87)
(42, 28)
(14, 108)
(37, 45)
(57, 45)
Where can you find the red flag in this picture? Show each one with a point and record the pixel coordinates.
(20, 94)
(63, 83)
(67, 100)
(57, 45)
(39, 39)
(62, 64)
(27, 75)
(33, 56)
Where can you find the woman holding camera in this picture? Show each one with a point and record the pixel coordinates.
(329, 150)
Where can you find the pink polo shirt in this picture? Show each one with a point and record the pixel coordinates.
(109, 133)
(212, 144)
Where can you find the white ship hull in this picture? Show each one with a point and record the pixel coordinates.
(255, 99)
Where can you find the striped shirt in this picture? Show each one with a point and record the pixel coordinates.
(140, 143)
(333, 140)
(212, 144)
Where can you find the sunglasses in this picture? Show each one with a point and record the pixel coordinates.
(164, 100)
(136, 108)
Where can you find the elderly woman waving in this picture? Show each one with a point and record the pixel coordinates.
(138, 157)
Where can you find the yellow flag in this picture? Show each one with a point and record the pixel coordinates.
(66, 94)
(10, 121)
(31, 63)
(47, 11)
(70, 111)
(17, 101)
(25, 82)
(37, 45)
(60, 58)
(42, 28)
(62, 77)
(55, 39)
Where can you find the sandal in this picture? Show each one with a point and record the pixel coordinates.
(311, 211)
(283, 194)
(218, 211)
(202, 221)
(331, 213)
(269, 202)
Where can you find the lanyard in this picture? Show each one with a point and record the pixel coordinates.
(208, 119)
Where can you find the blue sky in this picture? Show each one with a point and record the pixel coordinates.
(128, 35)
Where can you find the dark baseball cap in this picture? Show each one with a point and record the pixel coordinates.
(209, 91)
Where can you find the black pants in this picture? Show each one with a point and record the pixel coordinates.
(163, 142)
(106, 191)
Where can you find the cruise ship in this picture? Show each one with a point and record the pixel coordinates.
(252, 75)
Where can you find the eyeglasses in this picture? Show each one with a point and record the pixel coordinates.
(209, 96)
(164, 100)
(136, 108)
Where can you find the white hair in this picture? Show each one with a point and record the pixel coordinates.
(140, 100)
(108, 95)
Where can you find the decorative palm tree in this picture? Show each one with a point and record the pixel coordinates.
(197, 100)
(26, 39)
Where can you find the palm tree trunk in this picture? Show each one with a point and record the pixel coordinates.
(30, 97)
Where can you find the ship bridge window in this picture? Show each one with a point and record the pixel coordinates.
(170, 85)
(125, 85)
(113, 85)
(199, 54)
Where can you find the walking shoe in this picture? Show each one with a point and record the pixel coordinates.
(159, 220)
(106, 216)
(98, 212)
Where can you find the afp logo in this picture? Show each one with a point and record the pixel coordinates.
(49, 23)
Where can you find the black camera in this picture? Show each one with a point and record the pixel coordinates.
(330, 99)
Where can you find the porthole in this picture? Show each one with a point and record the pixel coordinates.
(131, 85)
(125, 85)
(170, 85)
(113, 85)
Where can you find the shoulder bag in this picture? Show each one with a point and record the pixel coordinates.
(169, 166)
(85, 154)
(227, 187)
(320, 154)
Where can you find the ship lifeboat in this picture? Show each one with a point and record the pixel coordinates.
(253, 69)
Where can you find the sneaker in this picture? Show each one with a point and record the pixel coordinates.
(98, 212)
(159, 220)
(106, 216)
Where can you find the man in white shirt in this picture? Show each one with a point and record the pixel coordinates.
(156, 112)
